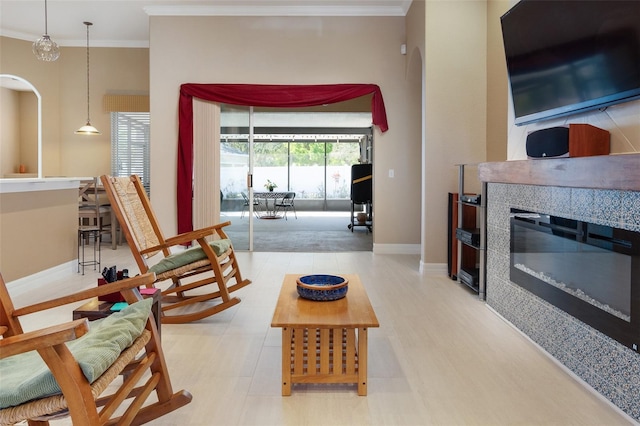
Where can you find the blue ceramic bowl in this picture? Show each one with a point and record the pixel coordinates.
(322, 287)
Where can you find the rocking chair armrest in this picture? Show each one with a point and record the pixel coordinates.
(218, 225)
(196, 234)
(117, 286)
(170, 242)
(187, 237)
(43, 338)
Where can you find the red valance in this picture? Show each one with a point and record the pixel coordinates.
(285, 96)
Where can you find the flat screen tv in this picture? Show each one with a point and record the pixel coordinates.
(565, 57)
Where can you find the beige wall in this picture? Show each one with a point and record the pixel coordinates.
(39, 231)
(113, 71)
(445, 74)
(415, 75)
(17, 58)
(497, 83)
(18, 131)
(288, 50)
(9, 131)
(29, 131)
(62, 85)
(455, 107)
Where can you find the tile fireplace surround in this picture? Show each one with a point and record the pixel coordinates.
(603, 190)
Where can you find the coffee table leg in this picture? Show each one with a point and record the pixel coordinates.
(362, 361)
(286, 361)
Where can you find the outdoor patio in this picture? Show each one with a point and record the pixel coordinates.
(310, 232)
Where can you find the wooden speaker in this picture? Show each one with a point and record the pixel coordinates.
(577, 140)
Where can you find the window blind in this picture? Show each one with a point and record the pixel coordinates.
(130, 146)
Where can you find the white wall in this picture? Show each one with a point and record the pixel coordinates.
(622, 121)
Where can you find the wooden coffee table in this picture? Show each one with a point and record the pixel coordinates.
(324, 342)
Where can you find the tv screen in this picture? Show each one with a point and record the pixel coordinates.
(565, 57)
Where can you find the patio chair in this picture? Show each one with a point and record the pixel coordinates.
(286, 203)
(72, 369)
(193, 271)
(245, 206)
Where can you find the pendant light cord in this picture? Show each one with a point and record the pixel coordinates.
(88, 115)
(46, 31)
(88, 129)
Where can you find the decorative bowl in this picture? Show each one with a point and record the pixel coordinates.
(321, 287)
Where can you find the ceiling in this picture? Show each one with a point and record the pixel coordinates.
(125, 23)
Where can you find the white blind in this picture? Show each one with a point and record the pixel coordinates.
(130, 146)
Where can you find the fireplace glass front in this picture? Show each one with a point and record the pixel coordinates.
(588, 270)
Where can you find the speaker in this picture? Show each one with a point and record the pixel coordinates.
(551, 142)
(577, 140)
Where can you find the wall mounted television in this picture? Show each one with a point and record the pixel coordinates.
(565, 57)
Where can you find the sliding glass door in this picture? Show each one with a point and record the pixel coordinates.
(316, 166)
(235, 169)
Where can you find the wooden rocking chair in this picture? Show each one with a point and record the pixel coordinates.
(124, 343)
(213, 261)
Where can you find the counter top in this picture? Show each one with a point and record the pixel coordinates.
(10, 185)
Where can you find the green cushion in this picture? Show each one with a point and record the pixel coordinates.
(25, 376)
(182, 258)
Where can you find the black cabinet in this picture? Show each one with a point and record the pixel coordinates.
(470, 234)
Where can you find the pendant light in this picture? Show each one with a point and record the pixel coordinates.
(44, 48)
(87, 129)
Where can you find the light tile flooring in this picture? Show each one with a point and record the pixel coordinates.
(440, 356)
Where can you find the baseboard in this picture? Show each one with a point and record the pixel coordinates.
(433, 268)
(396, 248)
(42, 278)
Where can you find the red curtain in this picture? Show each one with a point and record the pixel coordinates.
(286, 96)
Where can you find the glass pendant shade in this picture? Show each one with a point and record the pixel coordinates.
(87, 129)
(46, 49)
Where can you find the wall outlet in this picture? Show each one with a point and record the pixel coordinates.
(391, 173)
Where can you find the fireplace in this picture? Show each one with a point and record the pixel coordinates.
(590, 271)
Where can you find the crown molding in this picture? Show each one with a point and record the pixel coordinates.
(278, 10)
(78, 42)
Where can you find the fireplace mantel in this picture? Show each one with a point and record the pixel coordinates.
(620, 172)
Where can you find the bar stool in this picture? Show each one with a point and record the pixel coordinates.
(85, 233)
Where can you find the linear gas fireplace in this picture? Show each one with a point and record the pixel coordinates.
(590, 271)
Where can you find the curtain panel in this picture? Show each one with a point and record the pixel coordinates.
(284, 96)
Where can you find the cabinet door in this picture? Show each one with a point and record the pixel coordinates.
(469, 254)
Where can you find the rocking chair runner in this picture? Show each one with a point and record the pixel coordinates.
(84, 399)
(212, 263)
